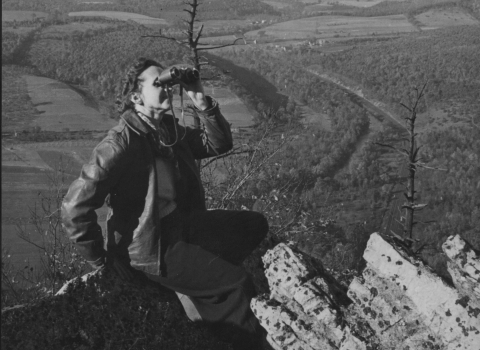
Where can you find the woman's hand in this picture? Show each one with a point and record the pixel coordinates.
(196, 93)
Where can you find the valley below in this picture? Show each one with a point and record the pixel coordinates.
(310, 90)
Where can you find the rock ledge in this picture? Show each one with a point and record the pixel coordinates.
(397, 303)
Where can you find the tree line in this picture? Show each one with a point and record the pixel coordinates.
(216, 9)
(387, 71)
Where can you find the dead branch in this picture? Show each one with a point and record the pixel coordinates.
(231, 153)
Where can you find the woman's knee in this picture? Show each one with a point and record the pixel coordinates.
(259, 224)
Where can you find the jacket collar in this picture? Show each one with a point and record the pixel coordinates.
(135, 123)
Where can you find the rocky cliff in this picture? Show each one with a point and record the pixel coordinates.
(397, 302)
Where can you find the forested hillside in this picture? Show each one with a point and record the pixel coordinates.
(97, 62)
(387, 70)
(448, 60)
(320, 174)
(314, 161)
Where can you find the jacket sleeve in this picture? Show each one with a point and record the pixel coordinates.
(214, 136)
(88, 193)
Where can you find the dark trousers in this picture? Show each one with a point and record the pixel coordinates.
(202, 256)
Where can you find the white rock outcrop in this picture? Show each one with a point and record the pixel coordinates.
(397, 303)
(301, 312)
(463, 266)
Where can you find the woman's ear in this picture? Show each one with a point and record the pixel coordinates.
(135, 98)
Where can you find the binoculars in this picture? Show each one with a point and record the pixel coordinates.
(173, 75)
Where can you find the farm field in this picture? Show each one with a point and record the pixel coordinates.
(10, 16)
(20, 186)
(333, 26)
(60, 107)
(123, 16)
(17, 109)
(25, 166)
(25, 170)
(18, 30)
(440, 18)
(277, 4)
(218, 24)
(355, 3)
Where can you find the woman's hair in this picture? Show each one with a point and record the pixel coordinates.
(130, 83)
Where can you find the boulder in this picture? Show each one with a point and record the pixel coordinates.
(397, 302)
(463, 266)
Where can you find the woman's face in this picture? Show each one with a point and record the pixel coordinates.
(154, 96)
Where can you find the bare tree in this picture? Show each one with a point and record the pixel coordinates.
(414, 161)
(191, 41)
(59, 261)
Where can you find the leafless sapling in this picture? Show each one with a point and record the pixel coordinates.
(191, 40)
(412, 155)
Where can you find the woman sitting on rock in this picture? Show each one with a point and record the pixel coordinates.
(158, 221)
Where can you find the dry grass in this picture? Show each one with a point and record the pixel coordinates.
(334, 26)
(61, 107)
(25, 169)
(17, 109)
(10, 16)
(356, 3)
(277, 4)
(18, 30)
(72, 27)
(219, 23)
(123, 16)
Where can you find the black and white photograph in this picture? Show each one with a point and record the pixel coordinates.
(240, 175)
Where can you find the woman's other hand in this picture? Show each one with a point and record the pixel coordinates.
(196, 93)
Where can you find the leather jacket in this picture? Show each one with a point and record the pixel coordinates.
(122, 168)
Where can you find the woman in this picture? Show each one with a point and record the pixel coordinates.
(158, 222)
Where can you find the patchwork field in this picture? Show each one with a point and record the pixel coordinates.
(218, 24)
(123, 16)
(17, 109)
(25, 171)
(10, 16)
(333, 26)
(60, 107)
(355, 3)
(25, 166)
(277, 4)
(18, 30)
(73, 27)
(440, 18)
(20, 186)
